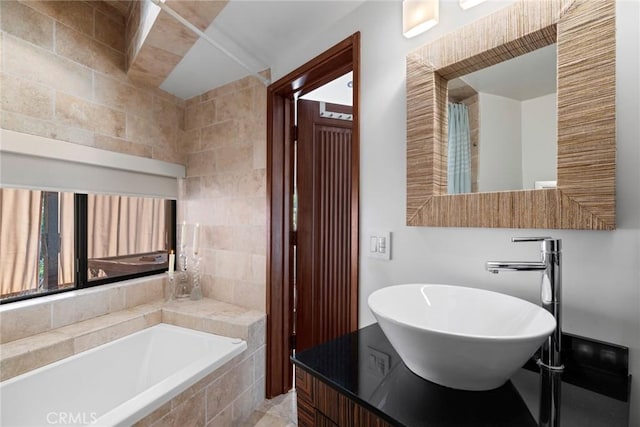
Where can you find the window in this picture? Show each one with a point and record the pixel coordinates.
(56, 241)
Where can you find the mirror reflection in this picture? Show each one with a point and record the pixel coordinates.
(502, 126)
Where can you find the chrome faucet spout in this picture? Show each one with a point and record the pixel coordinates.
(497, 266)
(550, 291)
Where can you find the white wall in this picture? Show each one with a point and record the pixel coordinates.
(602, 269)
(539, 140)
(500, 147)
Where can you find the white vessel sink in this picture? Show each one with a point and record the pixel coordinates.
(458, 337)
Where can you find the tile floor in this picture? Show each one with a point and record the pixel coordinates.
(277, 412)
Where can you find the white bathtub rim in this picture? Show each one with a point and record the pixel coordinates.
(157, 395)
(154, 397)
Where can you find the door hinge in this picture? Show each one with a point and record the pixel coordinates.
(292, 341)
(295, 133)
(294, 238)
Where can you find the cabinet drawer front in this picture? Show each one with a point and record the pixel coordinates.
(304, 385)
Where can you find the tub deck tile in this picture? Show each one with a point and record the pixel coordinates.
(26, 354)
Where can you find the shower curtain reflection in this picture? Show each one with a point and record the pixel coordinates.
(459, 150)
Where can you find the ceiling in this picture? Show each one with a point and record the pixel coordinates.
(525, 77)
(256, 32)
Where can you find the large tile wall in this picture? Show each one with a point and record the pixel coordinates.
(63, 77)
(225, 189)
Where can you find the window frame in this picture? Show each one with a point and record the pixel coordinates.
(81, 241)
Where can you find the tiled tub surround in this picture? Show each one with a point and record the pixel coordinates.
(225, 189)
(118, 383)
(224, 397)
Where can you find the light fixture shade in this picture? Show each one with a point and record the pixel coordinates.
(467, 4)
(418, 16)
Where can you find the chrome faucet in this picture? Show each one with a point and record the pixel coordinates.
(550, 292)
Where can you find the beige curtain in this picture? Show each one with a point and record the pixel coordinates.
(66, 262)
(20, 212)
(116, 226)
(125, 225)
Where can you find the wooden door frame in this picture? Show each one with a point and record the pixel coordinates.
(338, 60)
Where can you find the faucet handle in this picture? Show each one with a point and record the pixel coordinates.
(549, 244)
(530, 239)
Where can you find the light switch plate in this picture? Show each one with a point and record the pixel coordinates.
(379, 245)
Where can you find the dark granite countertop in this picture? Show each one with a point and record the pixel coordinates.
(364, 366)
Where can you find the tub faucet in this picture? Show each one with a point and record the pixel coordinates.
(550, 291)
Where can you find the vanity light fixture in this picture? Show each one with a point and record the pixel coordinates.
(418, 16)
(468, 4)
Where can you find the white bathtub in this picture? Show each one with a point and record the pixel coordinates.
(115, 384)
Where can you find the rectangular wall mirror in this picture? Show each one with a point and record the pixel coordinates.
(511, 120)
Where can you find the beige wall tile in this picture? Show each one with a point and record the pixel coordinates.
(234, 159)
(259, 155)
(151, 65)
(237, 211)
(233, 265)
(78, 308)
(109, 31)
(260, 101)
(189, 141)
(202, 163)
(239, 238)
(251, 295)
(106, 7)
(173, 37)
(257, 335)
(25, 97)
(20, 323)
(33, 126)
(182, 319)
(199, 13)
(235, 86)
(146, 131)
(154, 416)
(236, 105)
(167, 112)
(260, 362)
(108, 334)
(123, 96)
(26, 23)
(220, 394)
(83, 49)
(220, 134)
(87, 115)
(193, 187)
(192, 101)
(76, 14)
(221, 419)
(233, 193)
(243, 407)
(144, 292)
(36, 351)
(40, 66)
(200, 115)
(259, 211)
(122, 146)
(170, 155)
(259, 269)
(169, 97)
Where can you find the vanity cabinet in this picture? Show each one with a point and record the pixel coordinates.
(359, 380)
(321, 405)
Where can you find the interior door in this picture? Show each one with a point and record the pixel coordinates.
(326, 236)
